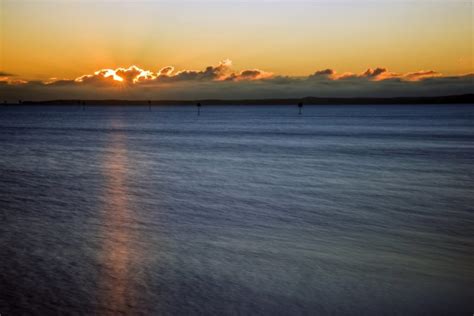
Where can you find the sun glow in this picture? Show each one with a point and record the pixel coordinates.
(110, 73)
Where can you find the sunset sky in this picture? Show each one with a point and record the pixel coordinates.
(43, 41)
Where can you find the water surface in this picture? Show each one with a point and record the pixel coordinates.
(343, 210)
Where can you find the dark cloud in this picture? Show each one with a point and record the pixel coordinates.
(63, 82)
(6, 74)
(166, 71)
(325, 72)
(220, 81)
(322, 74)
(250, 74)
(371, 73)
(210, 73)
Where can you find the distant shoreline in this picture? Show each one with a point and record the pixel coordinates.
(452, 99)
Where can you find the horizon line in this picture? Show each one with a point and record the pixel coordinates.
(310, 100)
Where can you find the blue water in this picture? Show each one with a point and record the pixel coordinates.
(344, 210)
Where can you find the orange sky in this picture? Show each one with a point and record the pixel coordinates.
(43, 39)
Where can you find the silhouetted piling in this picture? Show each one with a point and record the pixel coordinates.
(300, 107)
(199, 108)
(149, 105)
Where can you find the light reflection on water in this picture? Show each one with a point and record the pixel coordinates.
(243, 210)
(117, 250)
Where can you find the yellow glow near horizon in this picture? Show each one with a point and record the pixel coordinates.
(111, 73)
(66, 39)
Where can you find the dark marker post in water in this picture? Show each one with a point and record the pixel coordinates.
(300, 106)
(199, 108)
(149, 105)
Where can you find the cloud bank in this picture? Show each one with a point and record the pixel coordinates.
(221, 81)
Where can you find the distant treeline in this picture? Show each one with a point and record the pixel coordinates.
(453, 99)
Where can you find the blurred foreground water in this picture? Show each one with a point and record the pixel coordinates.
(343, 210)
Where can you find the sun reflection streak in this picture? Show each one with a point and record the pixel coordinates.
(117, 250)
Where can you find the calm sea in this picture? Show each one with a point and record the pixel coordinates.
(343, 210)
